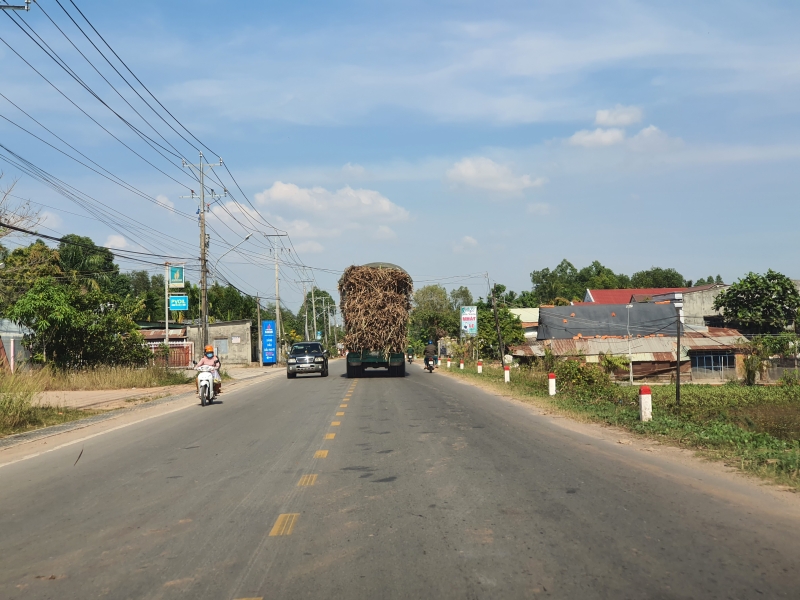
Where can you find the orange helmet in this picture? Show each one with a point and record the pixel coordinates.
(208, 349)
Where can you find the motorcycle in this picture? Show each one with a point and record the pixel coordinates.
(205, 383)
(410, 358)
(429, 364)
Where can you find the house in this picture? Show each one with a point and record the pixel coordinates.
(646, 332)
(529, 317)
(698, 303)
(623, 296)
(12, 352)
(232, 340)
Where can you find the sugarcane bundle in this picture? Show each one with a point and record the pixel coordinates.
(375, 302)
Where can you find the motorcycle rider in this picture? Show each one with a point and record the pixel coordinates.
(430, 352)
(210, 360)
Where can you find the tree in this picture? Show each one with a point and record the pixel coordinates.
(432, 314)
(91, 265)
(760, 303)
(18, 214)
(568, 283)
(24, 267)
(459, 297)
(656, 277)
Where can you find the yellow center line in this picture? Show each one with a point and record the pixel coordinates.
(343, 406)
(321, 454)
(340, 414)
(335, 423)
(330, 436)
(285, 524)
(306, 480)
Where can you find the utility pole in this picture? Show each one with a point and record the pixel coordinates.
(166, 309)
(203, 241)
(305, 305)
(277, 311)
(679, 311)
(325, 320)
(314, 310)
(630, 356)
(497, 324)
(260, 334)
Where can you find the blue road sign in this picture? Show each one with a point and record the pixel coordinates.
(268, 343)
(179, 302)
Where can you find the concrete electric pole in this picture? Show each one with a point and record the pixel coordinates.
(201, 169)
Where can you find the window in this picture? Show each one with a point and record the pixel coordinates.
(719, 364)
(221, 346)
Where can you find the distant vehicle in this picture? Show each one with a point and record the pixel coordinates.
(205, 384)
(307, 357)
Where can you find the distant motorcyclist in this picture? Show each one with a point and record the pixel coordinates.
(211, 360)
(430, 352)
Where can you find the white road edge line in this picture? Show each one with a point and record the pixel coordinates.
(94, 435)
(99, 433)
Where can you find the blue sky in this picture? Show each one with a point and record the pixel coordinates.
(452, 138)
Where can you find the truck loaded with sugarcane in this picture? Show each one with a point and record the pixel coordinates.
(375, 300)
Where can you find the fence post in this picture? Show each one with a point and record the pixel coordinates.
(645, 404)
(480, 367)
(11, 360)
(551, 384)
(507, 373)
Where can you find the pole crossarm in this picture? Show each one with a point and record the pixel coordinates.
(26, 7)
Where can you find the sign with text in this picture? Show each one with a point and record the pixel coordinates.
(176, 277)
(179, 302)
(269, 341)
(469, 320)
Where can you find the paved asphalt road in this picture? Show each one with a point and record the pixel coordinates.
(424, 488)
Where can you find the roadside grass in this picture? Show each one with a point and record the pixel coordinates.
(104, 378)
(18, 414)
(756, 429)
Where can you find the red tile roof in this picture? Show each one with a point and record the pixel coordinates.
(624, 296)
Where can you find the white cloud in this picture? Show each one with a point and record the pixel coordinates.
(116, 241)
(465, 244)
(164, 201)
(309, 247)
(347, 202)
(50, 219)
(484, 173)
(598, 137)
(539, 208)
(651, 138)
(352, 170)
(619, 116)
(384, 233)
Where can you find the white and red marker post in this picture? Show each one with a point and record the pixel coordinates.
(461, 364)
(645, 404)
(480, 367)
(551, 384)
(448, 362)
(507, 373)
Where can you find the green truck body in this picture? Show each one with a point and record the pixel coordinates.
(375, 359)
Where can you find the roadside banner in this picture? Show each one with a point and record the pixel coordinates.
(268, 343)
(176, 277)
(179, 302)
(469, 320)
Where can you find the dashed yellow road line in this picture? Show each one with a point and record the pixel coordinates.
(306, 480)
(259, 598)
(340, 414)
(285, 524)
(330, 436)
(335, 423)
(321, 454)
(343, 406)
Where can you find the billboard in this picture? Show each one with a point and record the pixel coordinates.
(176, 277)
(179, 302)
(469, 320)
(269, 343)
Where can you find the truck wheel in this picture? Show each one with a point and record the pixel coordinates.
(402, 370)
(290, 375)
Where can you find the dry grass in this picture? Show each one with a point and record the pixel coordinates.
(375, 306)
(103, 378)
(18, 414)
